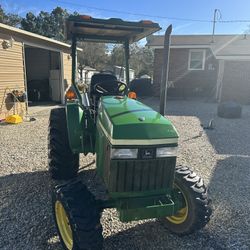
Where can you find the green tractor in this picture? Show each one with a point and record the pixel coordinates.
(135, 148)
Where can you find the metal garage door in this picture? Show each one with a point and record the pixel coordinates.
(236, 81)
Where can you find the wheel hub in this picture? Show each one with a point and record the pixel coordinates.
(182, 214)
(63, 225)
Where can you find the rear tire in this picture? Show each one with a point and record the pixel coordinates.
(77, 216)
(196, 214)
(63, 163)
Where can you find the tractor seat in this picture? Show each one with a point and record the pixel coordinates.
(106, 81)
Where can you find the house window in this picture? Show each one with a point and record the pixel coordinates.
(196, 60)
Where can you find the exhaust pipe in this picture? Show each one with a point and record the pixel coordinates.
(164, 75)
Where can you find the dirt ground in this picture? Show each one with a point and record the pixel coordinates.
(221, 156)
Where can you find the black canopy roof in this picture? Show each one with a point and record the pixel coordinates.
(108, 30)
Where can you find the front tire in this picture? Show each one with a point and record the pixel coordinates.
(196, 212)
(63, 163)
(77, 216)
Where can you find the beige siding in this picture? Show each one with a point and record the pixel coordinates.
(11, 77)
(67, 63)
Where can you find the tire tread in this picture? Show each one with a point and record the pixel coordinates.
(198, 194)
(63, 163)
(84, 215)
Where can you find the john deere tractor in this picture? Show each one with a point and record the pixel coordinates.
(135, 148)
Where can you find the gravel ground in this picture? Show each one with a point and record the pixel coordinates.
(221, 156)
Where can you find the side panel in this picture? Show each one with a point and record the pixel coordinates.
(102, 149)
(75, 118)
(81, 129)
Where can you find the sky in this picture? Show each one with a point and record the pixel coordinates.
(197, 13)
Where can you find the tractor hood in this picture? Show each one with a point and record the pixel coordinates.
(128, 122)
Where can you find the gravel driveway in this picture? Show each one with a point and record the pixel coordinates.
(221, 156)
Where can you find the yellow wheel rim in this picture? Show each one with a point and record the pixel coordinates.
(182, 214)
(63, 225)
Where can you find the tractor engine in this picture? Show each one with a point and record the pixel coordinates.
(137, 147)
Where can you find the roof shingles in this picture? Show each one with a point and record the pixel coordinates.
(223, 45)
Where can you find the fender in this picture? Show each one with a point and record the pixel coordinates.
(75, 119)
(81, 129)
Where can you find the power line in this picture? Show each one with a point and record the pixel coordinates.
(234, 21)
(134, 14)
(154, 16)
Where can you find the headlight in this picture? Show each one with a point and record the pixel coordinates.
(166, 152)
(124, 153)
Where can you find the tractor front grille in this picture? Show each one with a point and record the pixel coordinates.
(141, 175)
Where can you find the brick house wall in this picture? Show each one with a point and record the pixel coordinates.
(236, 82)
(184, 82)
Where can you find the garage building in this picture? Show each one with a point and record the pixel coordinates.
(31, 66)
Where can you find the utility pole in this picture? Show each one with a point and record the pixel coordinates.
(216, 17)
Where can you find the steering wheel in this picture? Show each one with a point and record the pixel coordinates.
(119, 90)
(122, 87)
